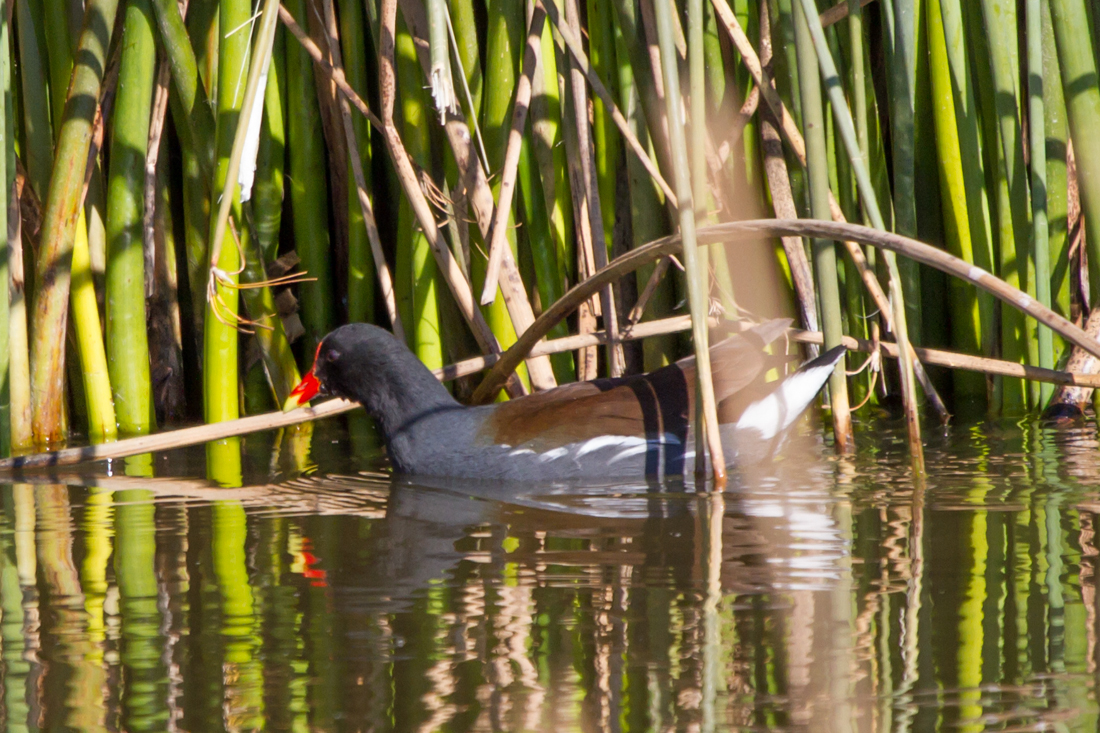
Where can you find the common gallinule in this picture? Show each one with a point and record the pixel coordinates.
(624, 428)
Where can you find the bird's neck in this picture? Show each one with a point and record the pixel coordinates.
(404, 396)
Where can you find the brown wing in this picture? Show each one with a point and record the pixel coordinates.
(646, 405)
(568, 414)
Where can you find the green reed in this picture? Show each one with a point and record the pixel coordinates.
(960, 134)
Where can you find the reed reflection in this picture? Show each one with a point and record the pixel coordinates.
(816, 593)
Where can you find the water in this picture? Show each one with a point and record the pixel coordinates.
(817, 594)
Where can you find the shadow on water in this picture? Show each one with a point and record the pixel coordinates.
(817, 593)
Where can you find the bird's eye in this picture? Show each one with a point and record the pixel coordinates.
(332, 355)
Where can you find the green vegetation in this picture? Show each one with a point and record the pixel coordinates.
(376, 187)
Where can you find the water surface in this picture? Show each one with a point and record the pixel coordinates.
(817, 593)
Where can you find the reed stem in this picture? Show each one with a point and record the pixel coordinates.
(970, 312)
(606, 141)
(1038, 146)
(1081, 83)
(648, 210)
(127, 341)
(1057, 188)
(268, 187)
(546, 120)
(60, 220)
(452, 274)
(19, 367)
(197, 116)
(38, 138)
(220, 368)
(824, 253)
(706, 430)
(843, 116)
(306, 166)
(415, 268)
(7, 182)
(361, 282)
(60, 52)
(94, 369)
(548, 279)
(903, 93)
(999, 69)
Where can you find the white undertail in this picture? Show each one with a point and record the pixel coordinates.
(776, 412)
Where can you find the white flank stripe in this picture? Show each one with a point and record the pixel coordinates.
(607, 441)
(629, 452)
(554, 454)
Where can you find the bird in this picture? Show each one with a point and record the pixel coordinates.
(625, 428)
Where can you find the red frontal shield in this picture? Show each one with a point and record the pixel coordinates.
(307, 389)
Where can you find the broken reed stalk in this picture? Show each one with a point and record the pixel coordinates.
(195, 435)
(192, 123)
(581, 59)
(480, 198)
(456, 281)
(1069, 400)
(449, 269)
(51, 297)
(1074, 32)
(440, 78)
(381, 266)
(177, 438)
(651, 285)
(779, 183)
(497, 240)
(157, 118)
(706, 429)
(597, 242)
(581, 253)
(516, 302)
(264, 43)
(753, 229)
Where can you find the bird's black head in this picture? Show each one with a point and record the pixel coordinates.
(370, 365)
